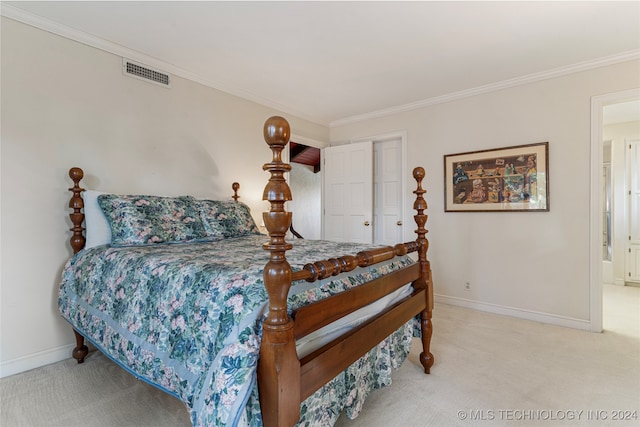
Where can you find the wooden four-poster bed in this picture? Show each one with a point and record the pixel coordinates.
(293, 326)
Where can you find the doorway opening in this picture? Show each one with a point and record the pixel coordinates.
(602, 153)
(305, 181)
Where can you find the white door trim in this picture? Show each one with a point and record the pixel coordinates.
(308, 141)
(595, 215)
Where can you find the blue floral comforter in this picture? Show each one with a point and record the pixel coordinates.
(187, 319)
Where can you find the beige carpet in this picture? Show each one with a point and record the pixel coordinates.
(489, 370)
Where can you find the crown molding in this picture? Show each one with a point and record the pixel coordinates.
(119, 50)
(20, 15)
(504, 84)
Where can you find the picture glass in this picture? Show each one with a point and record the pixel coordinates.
(505, 179)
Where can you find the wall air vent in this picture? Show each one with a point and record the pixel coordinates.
(145, 73)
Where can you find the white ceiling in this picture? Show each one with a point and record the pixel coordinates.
(621, 112)
(335, 62)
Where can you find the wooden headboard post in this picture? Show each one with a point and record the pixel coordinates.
(76, 203)
(235, 187)
(278, 367)
(77, 242)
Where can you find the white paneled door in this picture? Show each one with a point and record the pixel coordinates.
(348, 198)
(633, 250)
(387, 192)
(363, 190)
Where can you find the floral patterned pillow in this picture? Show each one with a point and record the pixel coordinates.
(222, 219)
(144, 220)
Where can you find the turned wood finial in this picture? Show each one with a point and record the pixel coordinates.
(420, 205)
(277, 273)
(418, 175)
(76, 203)
(276, 134)
(277, 131)
(235, 186)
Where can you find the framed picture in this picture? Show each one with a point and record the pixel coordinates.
(500, 180)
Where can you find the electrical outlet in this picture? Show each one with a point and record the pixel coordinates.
(467, 286)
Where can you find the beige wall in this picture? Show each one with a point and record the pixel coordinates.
(65, 104)
(532, 265)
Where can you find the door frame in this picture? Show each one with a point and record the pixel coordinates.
(595, 216)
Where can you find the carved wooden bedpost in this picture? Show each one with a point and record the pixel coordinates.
(76, 203)
(279, 367)
(235, 187)
(420, 205)
(77, 243)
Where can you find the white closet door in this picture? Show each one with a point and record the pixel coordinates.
(633, 248)
(388, 212)
(348, 198)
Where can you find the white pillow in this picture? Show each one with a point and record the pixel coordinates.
(98, 231)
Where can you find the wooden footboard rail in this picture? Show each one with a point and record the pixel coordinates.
(284, 380)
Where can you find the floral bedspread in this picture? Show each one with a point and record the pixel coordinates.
(187, 319)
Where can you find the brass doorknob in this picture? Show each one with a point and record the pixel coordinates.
(366, 223)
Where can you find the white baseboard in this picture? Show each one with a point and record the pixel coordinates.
(47, 357)
(36, 360)
(535, 316)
